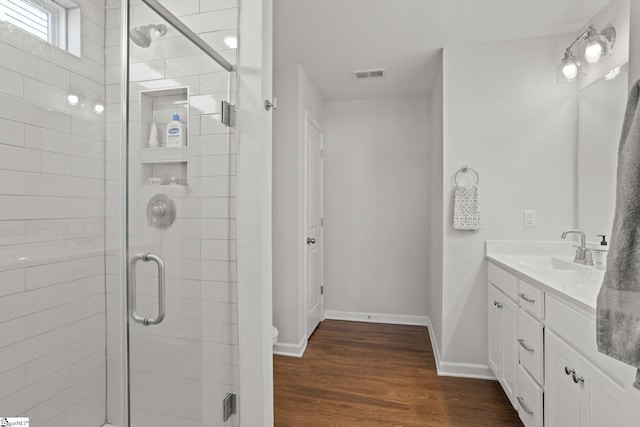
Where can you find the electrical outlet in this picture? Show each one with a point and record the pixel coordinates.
(530, 219)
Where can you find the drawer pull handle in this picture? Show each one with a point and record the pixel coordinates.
(524, 345)
(527, 299)
(577, 379)
(524, 406)
(569, 371)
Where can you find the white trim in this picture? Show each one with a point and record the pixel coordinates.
(396, 319)
(454, 369)
(291, 350)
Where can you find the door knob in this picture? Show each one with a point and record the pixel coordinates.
(310, 241)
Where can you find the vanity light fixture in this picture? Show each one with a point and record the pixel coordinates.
(570, 68)
(593, 47)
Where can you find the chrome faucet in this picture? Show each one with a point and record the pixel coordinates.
(583, 255)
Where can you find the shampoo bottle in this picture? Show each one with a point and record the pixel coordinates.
(175, 132)
(154, 140)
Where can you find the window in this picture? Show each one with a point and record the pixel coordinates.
(52, 22)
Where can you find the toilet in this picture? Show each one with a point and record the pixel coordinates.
(274, 336)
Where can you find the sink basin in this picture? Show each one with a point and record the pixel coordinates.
(550, 263)
(559, 268)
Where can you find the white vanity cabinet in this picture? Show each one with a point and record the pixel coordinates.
(503, 317)
(542, 349)
(503, 354)
(578, 393)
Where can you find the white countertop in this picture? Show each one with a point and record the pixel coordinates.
(550, 266)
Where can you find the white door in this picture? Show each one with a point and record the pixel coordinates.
(562, 395)
(494, 301)
(313, 226)
(510, 347)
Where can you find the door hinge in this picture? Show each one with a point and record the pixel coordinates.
(321, 290)
(228, 116)
(228, 406)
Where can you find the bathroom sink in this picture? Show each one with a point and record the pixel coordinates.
(549, 263)
(560, 269)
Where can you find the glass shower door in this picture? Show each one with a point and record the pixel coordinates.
(182, 313)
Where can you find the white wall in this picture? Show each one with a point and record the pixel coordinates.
(296, 94)
(436, 232)
(505, 116)
(376, 161)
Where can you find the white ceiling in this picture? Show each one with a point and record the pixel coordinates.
(331, 38)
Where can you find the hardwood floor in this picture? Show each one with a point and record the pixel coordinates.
(368, 375)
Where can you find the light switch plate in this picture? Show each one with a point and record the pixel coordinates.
(530, 220)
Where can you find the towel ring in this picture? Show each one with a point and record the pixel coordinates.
(465, 169)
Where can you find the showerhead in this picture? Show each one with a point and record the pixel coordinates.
(141, 36)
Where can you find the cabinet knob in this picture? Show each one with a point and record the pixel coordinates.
(569, 371)
(577, 379)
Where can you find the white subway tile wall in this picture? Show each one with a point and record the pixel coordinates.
(60, 201)
(181, 369)
(52, 220)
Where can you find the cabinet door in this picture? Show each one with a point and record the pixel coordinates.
(495, 302)
(562, 394)
(602, 400)
(510, 347)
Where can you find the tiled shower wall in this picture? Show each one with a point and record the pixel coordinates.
(182, 368)
(52, 269)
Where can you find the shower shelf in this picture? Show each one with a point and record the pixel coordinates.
(163, 162)
(164, 155)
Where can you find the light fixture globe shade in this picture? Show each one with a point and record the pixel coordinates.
(569, 69)
(596, 47)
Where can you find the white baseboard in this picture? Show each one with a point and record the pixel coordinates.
(291, 350)
(396, 319)
(454, 369)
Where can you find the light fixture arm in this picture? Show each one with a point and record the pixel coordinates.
(582, 36)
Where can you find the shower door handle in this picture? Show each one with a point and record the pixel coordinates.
(146, 320)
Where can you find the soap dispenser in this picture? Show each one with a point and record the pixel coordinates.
(175, 132)
(600, 254)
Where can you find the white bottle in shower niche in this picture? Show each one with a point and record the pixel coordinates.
(175, 132)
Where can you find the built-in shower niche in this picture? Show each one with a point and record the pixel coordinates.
(162, 165)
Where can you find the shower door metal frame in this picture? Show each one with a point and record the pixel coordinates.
(125, 264)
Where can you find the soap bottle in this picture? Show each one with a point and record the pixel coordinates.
(600, 256)
(175, 132)
(154, 140)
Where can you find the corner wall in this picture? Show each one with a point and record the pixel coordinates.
(436, 222)
(295, 94)
(376, 160)
(525, 155)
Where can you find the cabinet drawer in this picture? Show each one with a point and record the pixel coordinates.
(531, 299)
(504, 281)
(529, 397)
(530, 345)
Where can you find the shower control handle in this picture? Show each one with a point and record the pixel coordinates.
(146, 320)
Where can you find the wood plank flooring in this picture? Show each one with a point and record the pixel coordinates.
(369, 375)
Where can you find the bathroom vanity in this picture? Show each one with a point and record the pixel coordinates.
(542, 339)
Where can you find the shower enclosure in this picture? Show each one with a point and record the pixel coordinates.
(118, 297)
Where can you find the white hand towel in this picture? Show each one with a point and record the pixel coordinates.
(466, 208)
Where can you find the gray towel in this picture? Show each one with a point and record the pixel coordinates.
(618, 307)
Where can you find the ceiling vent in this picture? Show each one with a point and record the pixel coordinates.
(369, 74)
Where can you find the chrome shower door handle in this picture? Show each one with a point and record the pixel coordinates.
(146, 320)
